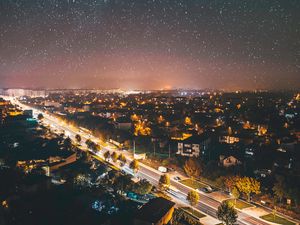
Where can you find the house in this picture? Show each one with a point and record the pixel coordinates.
(229, 139)
(28, 112)
(86, 107)
(56, 163)
(123, 123)
(229, 161)
(157, 211)
(194, 146)
(262, 173)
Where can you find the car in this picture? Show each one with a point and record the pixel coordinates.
(209, 188)
(170, 169)
(162, 169)
(204, 189)
(109, 189)
(154, 189)
(177, 178)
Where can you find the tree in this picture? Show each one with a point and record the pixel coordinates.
(92, 145)
(236, 194)
(164, 181)
(68, 143)
(122, 159)
(88, 143)
(248, 185)
(279, 188)
(230, 182)
(180, 217)
(220, 182)
(62, 134)
(114, 157)
(78, 138)
(126, 144)
(226, 213)
(294, 194)
(40, 116)
(143, 187)
(82, 180)
(95, 147)
(134, 165)
(106, 155)
(192, 168)
(193, 197)
(123, 183)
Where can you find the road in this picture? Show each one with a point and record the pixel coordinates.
(207, 204)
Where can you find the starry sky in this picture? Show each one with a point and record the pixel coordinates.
(150, 44)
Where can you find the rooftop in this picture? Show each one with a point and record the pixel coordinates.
(155, 209)
(197, 138)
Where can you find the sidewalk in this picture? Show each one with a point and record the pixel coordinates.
(255, 211)
(207, 220)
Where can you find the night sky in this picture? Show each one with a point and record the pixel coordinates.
(150, 44)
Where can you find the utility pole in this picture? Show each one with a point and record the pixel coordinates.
(169, 151)
(133, 148)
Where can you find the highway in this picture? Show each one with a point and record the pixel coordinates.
(207, 204)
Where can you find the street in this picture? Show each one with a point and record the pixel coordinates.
(207, 204)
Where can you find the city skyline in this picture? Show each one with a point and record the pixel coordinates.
(142, 45)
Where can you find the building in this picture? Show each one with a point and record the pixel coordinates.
(157, 211)
(229, 139)
(194, 146)
(229, 161)
(52, 104)
(28, 112)
(56, 163)
(123, 123)
(23, 92)
(86, 108)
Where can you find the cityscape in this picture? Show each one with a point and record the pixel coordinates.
(149, 112)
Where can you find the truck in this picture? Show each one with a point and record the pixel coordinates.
(162, 169)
